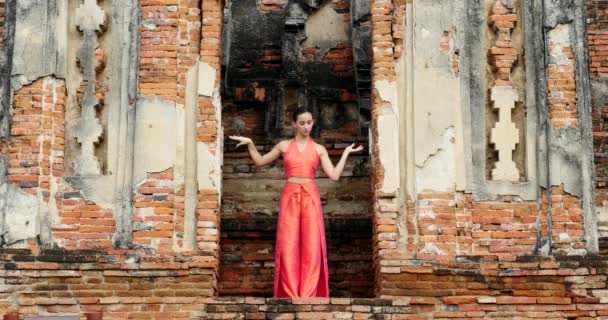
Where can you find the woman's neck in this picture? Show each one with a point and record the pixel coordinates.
(301, 138)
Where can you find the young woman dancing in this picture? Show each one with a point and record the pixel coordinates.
(301, 252)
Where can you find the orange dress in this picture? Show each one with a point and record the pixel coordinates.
(301, 253)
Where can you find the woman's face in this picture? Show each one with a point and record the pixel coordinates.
(304, 124)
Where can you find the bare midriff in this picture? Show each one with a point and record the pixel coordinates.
(299, 179)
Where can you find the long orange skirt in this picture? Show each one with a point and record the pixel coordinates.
(301, 253)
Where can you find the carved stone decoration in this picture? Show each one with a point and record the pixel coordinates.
(88, 129)
(292, 39)
(505, 135)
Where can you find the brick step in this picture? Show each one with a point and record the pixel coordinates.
(306, 308)
(247, 255)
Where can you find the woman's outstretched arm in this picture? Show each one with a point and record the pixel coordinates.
(257, 158)
(332, 172)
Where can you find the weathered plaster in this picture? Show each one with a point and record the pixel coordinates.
(557, 12)
(208, 171)
(565, 161)
(206, 79)
(6, 66)
(438, 172)
(179, 170)
(36, 56)
(97, 189)
(583, 96)
(388, 93)
(405, 159)
(599, 89)
(155, 137)
(325, 28)
(436, 94)
(22, 215)
(559, 38)
(190, 153)
(209, 158)
(388, 135)
(430, 248)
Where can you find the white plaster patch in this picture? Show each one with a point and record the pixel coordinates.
(559, 38)
(388, 142)
(208, 171)
(430, 248)
(424, 213)
(148, 25)
(563, 237)
(438, 172)
(206, 79)
(98, 190)
(505, 135)
(180, 159)
(486, 300)
(325, 28)
(54, 217)
(145, 212)
(155, 137)
(435, 103)
(21, 219)
(388, 93)
(61, 34)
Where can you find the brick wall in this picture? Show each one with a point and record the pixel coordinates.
(341, 57)
(2, 20)
(385, 214)
(119, 283)
(597, 15)
(57, 282)
(444, 226)
(158, 66)
(209, 130)
(561, 84)
(460, 258)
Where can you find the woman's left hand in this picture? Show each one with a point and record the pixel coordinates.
(352, 148)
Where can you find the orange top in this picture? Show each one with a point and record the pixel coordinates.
(302, 164)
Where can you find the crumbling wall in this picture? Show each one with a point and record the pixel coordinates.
(460, 205)
(597, 36)
(2, 20)
(142, 237)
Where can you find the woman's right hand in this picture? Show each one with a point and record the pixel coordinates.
(241, 140)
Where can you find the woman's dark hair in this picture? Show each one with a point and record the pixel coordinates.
(298, 112)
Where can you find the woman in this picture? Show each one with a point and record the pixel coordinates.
(300, 255)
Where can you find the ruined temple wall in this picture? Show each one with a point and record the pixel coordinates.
(438, 207)
(2, 19)
(438, 241)
(597, 12)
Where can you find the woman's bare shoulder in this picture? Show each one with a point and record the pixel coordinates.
(282, 145)
(320, 148)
